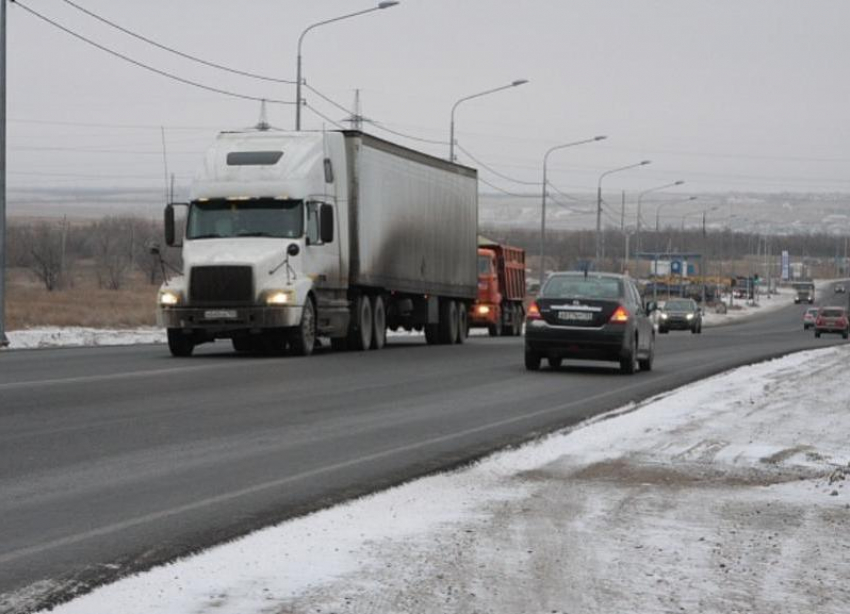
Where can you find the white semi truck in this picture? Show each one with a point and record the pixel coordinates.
(292, 236)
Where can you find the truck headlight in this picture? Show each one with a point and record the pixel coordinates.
(280, 297)
(483, 309)
(169, 298)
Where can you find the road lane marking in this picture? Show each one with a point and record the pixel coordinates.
(88, 379)
(313, 473)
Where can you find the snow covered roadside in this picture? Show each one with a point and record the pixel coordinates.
(75, 336)
(743, 310)
(724, 496)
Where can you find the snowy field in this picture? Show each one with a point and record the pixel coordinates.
(723, 496)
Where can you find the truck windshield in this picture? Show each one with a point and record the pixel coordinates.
(484, 266)
(260, 217)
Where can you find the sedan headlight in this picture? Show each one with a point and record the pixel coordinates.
(169, 298)
(690, 316)
(280, 297)
(663, 316)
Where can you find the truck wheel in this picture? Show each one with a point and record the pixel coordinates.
(361, 331)
(462, 323)
(379, 324)
(241, 344)
(495, 330)
(448, 322)
(508, 315)
(180, 344)
(303, 341)
(432, 334)
(518, 318)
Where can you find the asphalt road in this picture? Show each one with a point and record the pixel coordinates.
(115, 459)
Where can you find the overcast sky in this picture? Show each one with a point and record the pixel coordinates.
(723, 94)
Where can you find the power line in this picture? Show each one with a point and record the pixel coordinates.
(381, 126)
(175, 51)
(146, 66)
(495, 172)
(323, 116)
(503, 191)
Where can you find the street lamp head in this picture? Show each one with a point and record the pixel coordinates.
(600, 138)
(692, 198)
(679, 182)
(645, 162)
(519, 82)
(387, 4)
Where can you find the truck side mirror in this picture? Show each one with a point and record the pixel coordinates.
(293, 250)
(326, 231)
(154, 249)
(170, 224)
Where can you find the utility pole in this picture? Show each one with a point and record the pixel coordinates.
(4, 341)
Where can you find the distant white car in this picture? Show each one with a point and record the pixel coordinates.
(839, 288)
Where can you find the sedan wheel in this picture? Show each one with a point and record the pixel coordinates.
(629, 363)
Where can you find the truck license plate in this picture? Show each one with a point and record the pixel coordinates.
(575, 316)
(220, 314)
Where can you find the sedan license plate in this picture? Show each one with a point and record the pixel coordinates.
(220, 314)
(575, 316)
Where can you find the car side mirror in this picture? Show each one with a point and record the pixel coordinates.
(651, 306)
(154, 249)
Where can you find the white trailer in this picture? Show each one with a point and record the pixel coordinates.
(294, 235)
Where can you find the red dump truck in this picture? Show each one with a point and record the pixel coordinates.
(501, 289)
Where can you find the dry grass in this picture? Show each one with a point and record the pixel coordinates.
(29, 305)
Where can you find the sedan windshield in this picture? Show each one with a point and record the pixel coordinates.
(261, 217)
(679, 306)
(567, 286)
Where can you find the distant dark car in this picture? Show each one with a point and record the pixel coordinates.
(832, 320)
(680, 314)
(589, 316)
(809, 317)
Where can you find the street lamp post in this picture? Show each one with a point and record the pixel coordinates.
(599, 203)
(543, 205)
(298, 100)
(3, 340)
(638, 245)
(464, 99)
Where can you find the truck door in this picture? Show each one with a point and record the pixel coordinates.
(321, 253)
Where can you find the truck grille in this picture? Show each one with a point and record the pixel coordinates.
(221, 285)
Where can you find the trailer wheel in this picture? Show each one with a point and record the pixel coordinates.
(448, 322)
(379, 324)
(303, 341)
(462, 323)
(361, 331)
(508, 316)
(180, 344)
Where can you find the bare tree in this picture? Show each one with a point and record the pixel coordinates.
(113, 246)
(45, 254)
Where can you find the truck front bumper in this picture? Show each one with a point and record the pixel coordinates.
(224, 319)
